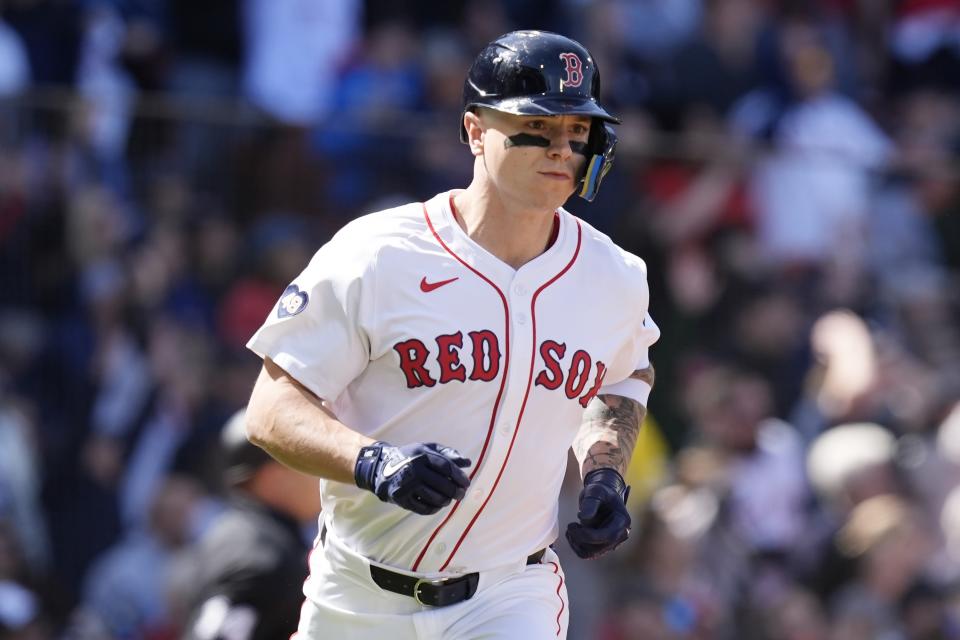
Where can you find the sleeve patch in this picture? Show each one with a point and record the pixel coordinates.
(292, 302)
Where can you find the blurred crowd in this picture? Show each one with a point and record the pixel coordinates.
(790, 171)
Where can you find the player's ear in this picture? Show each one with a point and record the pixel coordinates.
(475, 130)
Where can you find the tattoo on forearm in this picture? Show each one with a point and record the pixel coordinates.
(608, 433)
(646, 375)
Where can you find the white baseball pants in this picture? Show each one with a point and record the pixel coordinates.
(517, 601)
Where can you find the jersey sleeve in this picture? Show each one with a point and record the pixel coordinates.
(646, 334)
(642, 332)
(318, 331)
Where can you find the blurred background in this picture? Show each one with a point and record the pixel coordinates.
(789, 170)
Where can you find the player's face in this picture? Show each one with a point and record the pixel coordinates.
(530, 158)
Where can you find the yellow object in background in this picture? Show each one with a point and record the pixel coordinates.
(648, 464)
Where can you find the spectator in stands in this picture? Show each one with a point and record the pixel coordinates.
(811, 190)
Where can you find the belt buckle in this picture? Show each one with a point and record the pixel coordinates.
(438, 582)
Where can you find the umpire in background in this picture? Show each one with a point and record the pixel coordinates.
(248, 571)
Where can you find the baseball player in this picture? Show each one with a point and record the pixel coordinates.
(435, 362)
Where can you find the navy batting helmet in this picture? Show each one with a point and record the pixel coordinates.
(543, 73)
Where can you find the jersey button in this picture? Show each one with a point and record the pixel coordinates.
(441, 548)
(521, 319)
(520, 290)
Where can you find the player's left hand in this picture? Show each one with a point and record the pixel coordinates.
(604, 519)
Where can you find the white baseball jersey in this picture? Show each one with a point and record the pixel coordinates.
(412, 332)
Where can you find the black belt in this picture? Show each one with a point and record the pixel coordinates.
(439, 592)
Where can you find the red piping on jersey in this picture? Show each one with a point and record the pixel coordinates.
(503, 378)
(526, 395)
(555, 231)
(556, 570)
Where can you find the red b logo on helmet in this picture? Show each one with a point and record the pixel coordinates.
(574, 70)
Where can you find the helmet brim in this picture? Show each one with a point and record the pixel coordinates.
(550, 106)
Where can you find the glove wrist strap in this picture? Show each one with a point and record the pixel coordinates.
(365, 468)
(610, 477)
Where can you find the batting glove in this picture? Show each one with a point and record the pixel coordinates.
(419, 477)
(604, 519)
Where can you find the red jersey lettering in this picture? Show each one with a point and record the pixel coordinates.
(597, 383)
(579, 373)
(413, 362)
(486, 355)
(551, 352)
(449, 358)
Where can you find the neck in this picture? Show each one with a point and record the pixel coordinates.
(514, 235)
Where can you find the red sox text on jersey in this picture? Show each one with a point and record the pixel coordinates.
(484, 352)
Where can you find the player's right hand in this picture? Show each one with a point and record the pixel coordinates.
(420, 477)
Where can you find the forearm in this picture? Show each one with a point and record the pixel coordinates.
(608, 433)
(290, 423)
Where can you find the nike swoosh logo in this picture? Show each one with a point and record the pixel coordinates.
(427, 287)
(394, 465)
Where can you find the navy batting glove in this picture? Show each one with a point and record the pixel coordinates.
(419, 477)
(604, 519)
